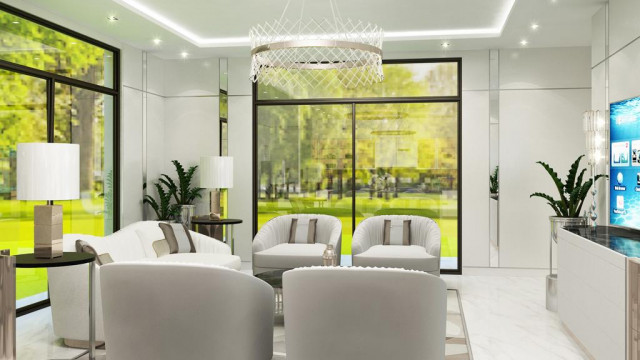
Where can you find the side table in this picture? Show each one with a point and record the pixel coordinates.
(69, 259)
(227, 223)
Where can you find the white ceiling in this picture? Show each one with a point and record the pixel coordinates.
(219, 27)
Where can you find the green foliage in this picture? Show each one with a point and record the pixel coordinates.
(494, 186)
(182, 192)
(163, 208)
(572, 192)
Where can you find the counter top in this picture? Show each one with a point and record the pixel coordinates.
(621, 240)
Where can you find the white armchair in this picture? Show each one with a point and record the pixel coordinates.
(271, 250)
(168, 311)
(69, 288)
(423, 254)
(364, 314)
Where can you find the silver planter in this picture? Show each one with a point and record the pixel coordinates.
(186, 213)
(557, 223)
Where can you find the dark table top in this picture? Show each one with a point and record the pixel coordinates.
(67, 259)
(205, 220)
(622, 240)
(273, 278)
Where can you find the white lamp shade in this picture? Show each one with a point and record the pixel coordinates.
(216, 172)
(48, 171)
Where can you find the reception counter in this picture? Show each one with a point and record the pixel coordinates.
(598, 289)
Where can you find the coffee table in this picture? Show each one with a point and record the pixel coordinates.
(274, 278)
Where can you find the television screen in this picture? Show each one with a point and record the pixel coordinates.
(624, 168)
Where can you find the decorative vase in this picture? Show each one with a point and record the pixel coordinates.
(329, 256)
(186, 213)
(557, 223)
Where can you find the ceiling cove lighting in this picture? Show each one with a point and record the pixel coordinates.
(304, 45)
(180, 30)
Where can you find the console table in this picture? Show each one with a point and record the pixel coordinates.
(598, 289)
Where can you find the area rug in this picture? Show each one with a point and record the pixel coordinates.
(457, 345)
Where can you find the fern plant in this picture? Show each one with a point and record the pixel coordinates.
(494, 186)
(572, 192)
(182, 192)
(163, 208)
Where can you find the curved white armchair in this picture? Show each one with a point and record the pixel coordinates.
(364, 314)
(168, 311)
(423, 254)
(271, 250)
(69, 288)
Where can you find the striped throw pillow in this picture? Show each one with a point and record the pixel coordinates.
(303, 231)
(397, 232)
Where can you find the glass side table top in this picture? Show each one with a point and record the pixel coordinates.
(273, 278)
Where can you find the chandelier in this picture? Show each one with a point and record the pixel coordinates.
(308, 52)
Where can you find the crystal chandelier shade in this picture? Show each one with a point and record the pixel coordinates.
(309, 52)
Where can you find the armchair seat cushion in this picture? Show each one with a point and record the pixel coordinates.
(411, 257)
(289, 256)
(228, 261)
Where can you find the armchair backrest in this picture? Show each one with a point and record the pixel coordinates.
(424, 232)
(278, 228)
(364, 313)
(171, 311)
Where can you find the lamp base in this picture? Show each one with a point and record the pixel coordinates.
(47, 235)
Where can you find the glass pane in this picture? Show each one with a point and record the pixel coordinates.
(85, 117)
(27, 43)
(400, 80)
(224, 138)
(305, 163)
(407, 164)
(23, 118)
(224, 105)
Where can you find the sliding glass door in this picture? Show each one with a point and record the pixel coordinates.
(390, 148)
(305, 163)
(56, 86)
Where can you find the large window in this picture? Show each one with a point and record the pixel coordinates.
(391, 148)
(56, 86)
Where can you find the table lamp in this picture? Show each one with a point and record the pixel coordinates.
(216, 172)
(48, 171)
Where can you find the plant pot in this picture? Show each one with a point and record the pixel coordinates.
(558, 222)
(186, 213)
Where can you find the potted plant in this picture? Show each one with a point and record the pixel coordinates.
(572, 195)
(165, 211)
(494, 186)
(183, 192)
(567, 213)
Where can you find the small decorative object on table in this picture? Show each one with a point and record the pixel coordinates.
(329, 257)
(572, 195)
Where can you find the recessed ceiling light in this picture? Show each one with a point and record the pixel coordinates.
(157, 41)
(184, 54)
(534, 26)
(445, 44)
(524, 42)
(112, 18)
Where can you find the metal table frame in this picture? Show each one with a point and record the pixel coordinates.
(228, 227)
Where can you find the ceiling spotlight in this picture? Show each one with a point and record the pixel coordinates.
(112, 18)
(524, 42)
(445, 45)
(184, 54)
(157, 41)
(534, 26)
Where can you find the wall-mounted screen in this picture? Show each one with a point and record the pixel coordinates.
(624, 189)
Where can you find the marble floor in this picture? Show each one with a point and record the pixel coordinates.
(505, 316)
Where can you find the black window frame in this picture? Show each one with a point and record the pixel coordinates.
(52, 79)
(356, 101)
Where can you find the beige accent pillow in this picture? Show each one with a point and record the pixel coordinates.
(303, 231)
(178, 237)
(161, 247)
(84, 247)
(397, 232)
